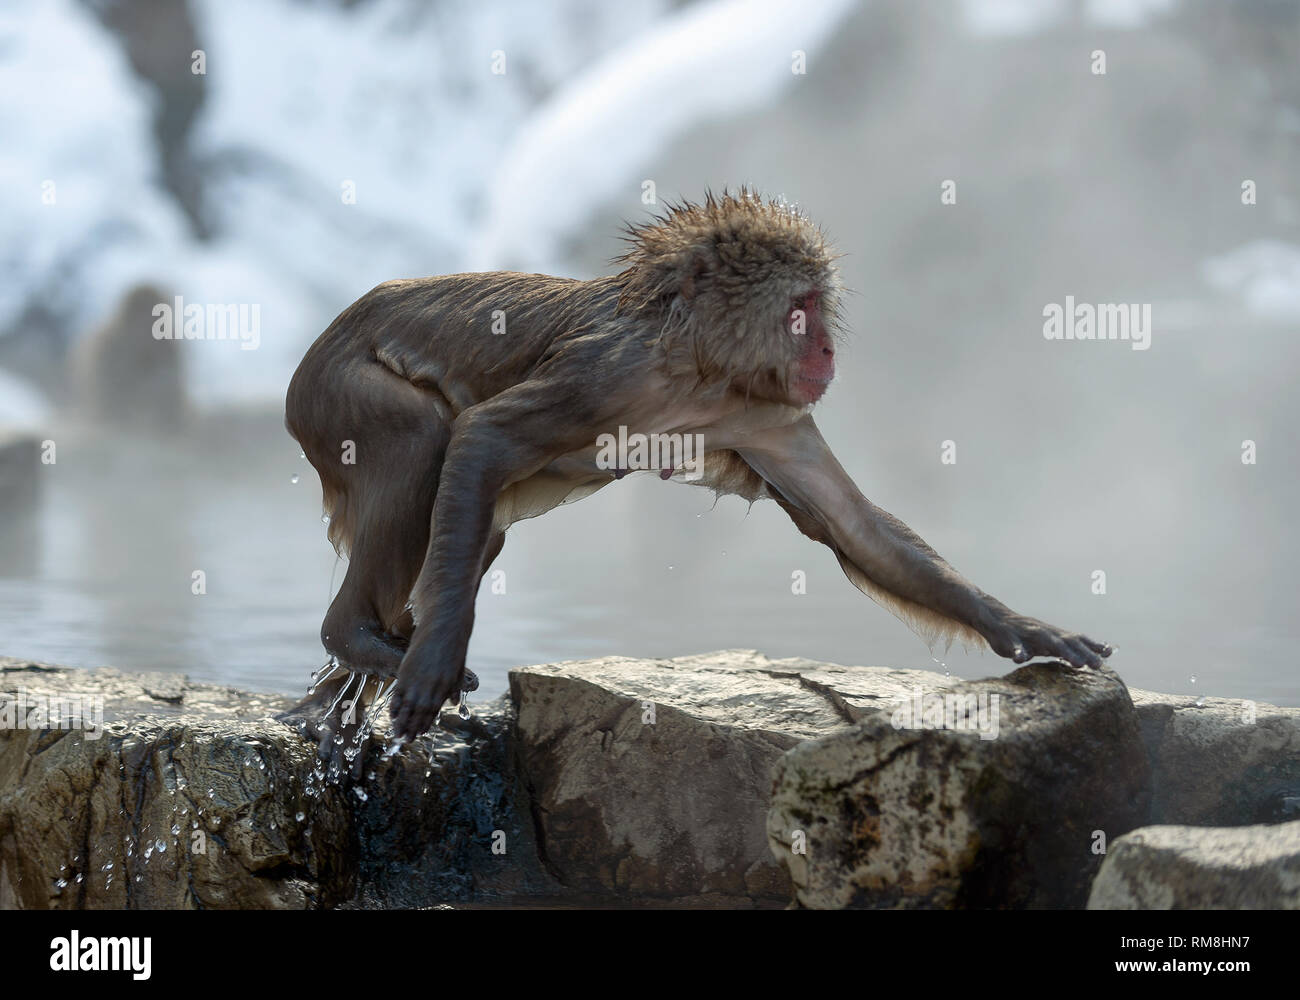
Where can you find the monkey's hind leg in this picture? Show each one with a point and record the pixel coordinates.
(384, 502)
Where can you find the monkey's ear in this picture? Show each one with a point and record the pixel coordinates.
(695, 267)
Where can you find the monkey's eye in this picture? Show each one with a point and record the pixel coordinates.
(808, 300)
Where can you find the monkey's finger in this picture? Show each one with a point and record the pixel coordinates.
(1102, 649)
(1053, 644)
(1083, 655)
(1006, 643)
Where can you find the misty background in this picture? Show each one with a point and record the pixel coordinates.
(331, 145)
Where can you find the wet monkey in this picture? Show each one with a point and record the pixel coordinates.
(722, 323)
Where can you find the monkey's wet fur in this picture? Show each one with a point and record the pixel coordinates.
(439, 411)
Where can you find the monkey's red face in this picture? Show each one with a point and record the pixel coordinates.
(814, 366)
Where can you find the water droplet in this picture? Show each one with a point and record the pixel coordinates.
(61, 883)
(107, 867)
(361, 794)
(300, 817)
(294, 478)
(1192, 679)
(176, 829)
(324, 519)
(1200, 702)
(80, 878)
(302, 454)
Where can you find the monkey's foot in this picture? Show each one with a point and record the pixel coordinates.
(339, 714)
(421, 690)
(1021, 639)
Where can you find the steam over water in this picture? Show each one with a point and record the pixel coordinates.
(1072, 456)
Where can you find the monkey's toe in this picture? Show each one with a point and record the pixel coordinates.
(341, 750)
(1102, 649)
(423, 685)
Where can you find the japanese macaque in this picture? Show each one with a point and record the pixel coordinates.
(438, 411)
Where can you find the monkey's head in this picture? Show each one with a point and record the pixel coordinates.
(743, 294)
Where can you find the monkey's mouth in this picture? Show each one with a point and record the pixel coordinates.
(813, 388)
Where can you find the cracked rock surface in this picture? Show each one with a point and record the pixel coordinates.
(653, 777)
(929, 815)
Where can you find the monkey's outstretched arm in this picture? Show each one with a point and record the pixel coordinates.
(889, 561)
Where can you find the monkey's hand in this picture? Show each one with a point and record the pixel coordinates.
(424, 682)
(1020, 638)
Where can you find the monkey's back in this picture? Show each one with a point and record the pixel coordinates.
(466, 337)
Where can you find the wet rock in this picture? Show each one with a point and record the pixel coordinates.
(1201, 868)
(1225, 762)
(652, 778)
(879, 816)
(622, 780)
(192, 795)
